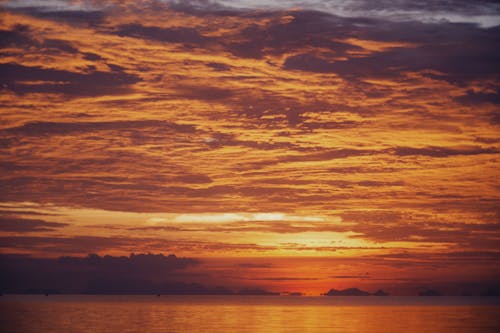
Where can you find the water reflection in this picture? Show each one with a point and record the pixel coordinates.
(244, 314)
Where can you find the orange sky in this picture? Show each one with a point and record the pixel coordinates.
(287, 149)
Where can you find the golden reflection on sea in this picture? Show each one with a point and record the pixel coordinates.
(57, 314)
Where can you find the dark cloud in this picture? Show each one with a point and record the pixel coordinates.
(125, 286)
(16, 37)
(71, 245)
(94, 274)
(18, 79)
(141, 273)
(311, 125)
(387, 216)
(204, 93)
(68, 128)
(477, 98)
(88, 17)
(374, 183)
(62, 14)
(220, 67)
(495, 117)
(88, 244)
(312, 63)
(392, 63)
(442, 151)
(200, 7)
(322, 155)
(222, 139)
(59, 45)
(17, 211)
(144, 263)
(384, 226)
(431, 260)
(329, 154)
(255, 265)
(285, 279)
(362, 169)
(187, 36)
(351, 276)
(459, 52)
(456, 6)
(475, 255)
(16, 224)
(22, 36)
(279, 38)
(254, 41)
(116, 68)
(92, 56)
(122, 195)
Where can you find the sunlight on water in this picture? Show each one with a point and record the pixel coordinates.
(59, 314)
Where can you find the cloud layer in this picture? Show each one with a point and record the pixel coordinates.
(219, 129)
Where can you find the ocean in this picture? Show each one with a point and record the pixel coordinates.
(169, 314)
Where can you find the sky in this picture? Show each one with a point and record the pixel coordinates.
(281, 145)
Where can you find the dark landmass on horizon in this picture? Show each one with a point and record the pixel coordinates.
(355, 292)
(146, 274)
(347, 292)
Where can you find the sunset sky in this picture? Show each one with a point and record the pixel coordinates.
(286, 145)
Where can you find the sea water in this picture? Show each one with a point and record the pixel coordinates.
(152, 313)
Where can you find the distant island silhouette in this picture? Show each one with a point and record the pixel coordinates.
(354, 292)
(380, 292)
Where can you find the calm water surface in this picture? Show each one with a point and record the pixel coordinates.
(78, 313)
